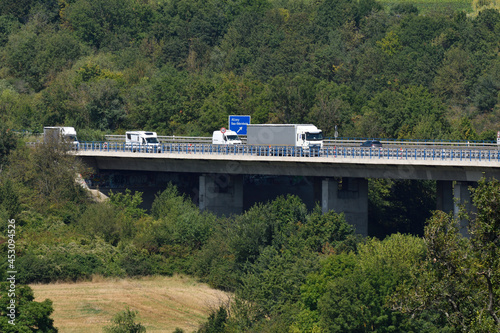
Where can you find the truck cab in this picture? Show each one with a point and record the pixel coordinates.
(142, 141)
(225, 137)
(309, 136)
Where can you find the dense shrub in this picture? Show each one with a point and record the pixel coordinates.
(68, 262)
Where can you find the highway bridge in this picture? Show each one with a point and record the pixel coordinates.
(340, 172)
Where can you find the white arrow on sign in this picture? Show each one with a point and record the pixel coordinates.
(239, 129)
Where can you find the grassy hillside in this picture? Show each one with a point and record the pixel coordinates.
(164, 303)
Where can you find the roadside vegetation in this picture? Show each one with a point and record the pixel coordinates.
(385, 70)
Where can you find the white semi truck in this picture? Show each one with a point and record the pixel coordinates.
(142, 141)
(55, 134)
(294, 135)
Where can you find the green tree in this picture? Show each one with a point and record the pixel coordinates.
(354, 300)
(9, 200)
(488, 88)
(484, 229)
(26, 314)
(8, 24)
(464, 130)
(459, 277)
(398, 114)
(8, 142)
(293, 98)
(105, 104)
(18, 9)
(36, 56)
(108, 24)
(46, 175)
(128, 202)
(451, 76)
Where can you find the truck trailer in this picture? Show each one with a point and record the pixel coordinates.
(291, 135)
(56, 134)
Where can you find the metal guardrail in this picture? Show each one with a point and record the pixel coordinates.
(470, 154)
(327, 142)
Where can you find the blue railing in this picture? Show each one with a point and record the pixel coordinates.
(402, 153)
(413, 141)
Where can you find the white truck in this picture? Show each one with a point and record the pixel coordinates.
(225, 137)
(294, 135)
(142, 141)
(55, 134)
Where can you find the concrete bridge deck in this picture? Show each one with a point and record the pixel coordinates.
(340, 175)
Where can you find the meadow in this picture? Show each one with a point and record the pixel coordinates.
(163, 303)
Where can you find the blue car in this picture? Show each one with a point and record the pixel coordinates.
(372, 143)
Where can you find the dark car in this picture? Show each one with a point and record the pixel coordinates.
(372, 143)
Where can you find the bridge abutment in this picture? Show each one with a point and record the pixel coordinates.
(221, 194)
(348, 196)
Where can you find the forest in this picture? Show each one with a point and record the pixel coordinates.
(373, 69)
(181, 67)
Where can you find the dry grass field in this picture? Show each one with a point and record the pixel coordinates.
(164, 303)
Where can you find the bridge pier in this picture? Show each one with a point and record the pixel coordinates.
(450, 196)
(221, 194)
(444, 195)
(349, 196)
(463, 197)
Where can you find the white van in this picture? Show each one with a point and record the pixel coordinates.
(142, 141)
(225, 137)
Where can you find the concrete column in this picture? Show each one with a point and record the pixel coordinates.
(350, 197)
(462, 197)
(444, 196)
(221, 194)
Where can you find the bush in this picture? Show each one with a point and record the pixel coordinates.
(135, 262)
(101, 220)
(216, 322)
(68, 262)
(124, 322)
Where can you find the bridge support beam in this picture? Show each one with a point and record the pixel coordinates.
(221, 194)
(349, 196)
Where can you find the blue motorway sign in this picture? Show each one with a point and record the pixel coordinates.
(239, 124)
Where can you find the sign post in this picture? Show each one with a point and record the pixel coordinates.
(498, 138)
(239, 124)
